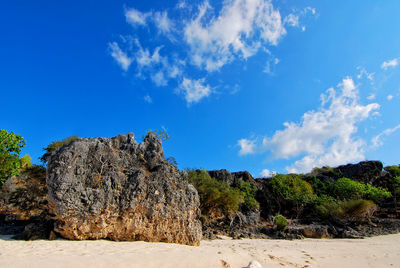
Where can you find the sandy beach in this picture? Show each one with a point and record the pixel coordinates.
(382, 251)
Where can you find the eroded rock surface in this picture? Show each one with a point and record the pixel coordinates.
(121, 190)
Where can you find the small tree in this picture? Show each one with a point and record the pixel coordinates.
(10, 148)
(291, 190)
(55, 146)
(160, 134)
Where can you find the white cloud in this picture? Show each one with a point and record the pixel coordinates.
(121, 57)
(144, 58)
(310, 9)
(371, 96)
(325, 136)
(265, 173)
(159, 79)
(246, 146)
(203, 37)
(218, 40)
(163, 23)
(365, 73)
(148, 99)
(194, 90)
(270, 66)
(390, 64)
(181, 4)
(389, 97)
(292, 20)
(377, 140)
(135, 17)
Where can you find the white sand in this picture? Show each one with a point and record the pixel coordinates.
(382, 251)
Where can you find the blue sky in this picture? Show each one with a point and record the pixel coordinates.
(251, 85)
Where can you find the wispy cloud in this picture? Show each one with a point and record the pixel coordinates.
(204, 38)
(194, 90)
(389, 97)
(377, 140)
(325, 136)
(365, 73)
(148, 99)
(292, 20)
(390, 64)
(163, 23)
(135, 17)
(120, 57)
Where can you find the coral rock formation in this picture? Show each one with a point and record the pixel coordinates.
(119, 189)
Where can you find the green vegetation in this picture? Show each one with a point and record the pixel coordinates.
(320, 188)
(215, 195)
(55, 146)
(280, 222)
(393, 170)
(10, 148)
(292, 192)
(172, 161)
(249, 192)
(325, 169)
(160, 134)
(358, 210)
(217, 198)
(347, 189)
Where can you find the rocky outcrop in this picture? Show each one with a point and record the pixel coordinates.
(310, 231)
(121, 190)
(365, 171)
(232, 178)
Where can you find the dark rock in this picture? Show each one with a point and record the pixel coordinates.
(232, 178)
(365, 171)
(37, 230)
(310, 231)
(121, 190)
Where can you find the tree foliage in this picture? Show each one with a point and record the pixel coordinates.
(215, 195)
(249, 192)
(160, 134)
(10, 148)
(292, 192)
(347, 189)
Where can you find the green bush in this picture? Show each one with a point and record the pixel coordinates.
(215, 195)
(10, 148)
(358, 210)
(55, 146)
(249, 191)
(393, 170)
(328, 207)
(320, 188)
(26, 161)
(280, 222)
(347, 189)
(291, 190)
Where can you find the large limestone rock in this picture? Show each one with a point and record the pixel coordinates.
(121, 190)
